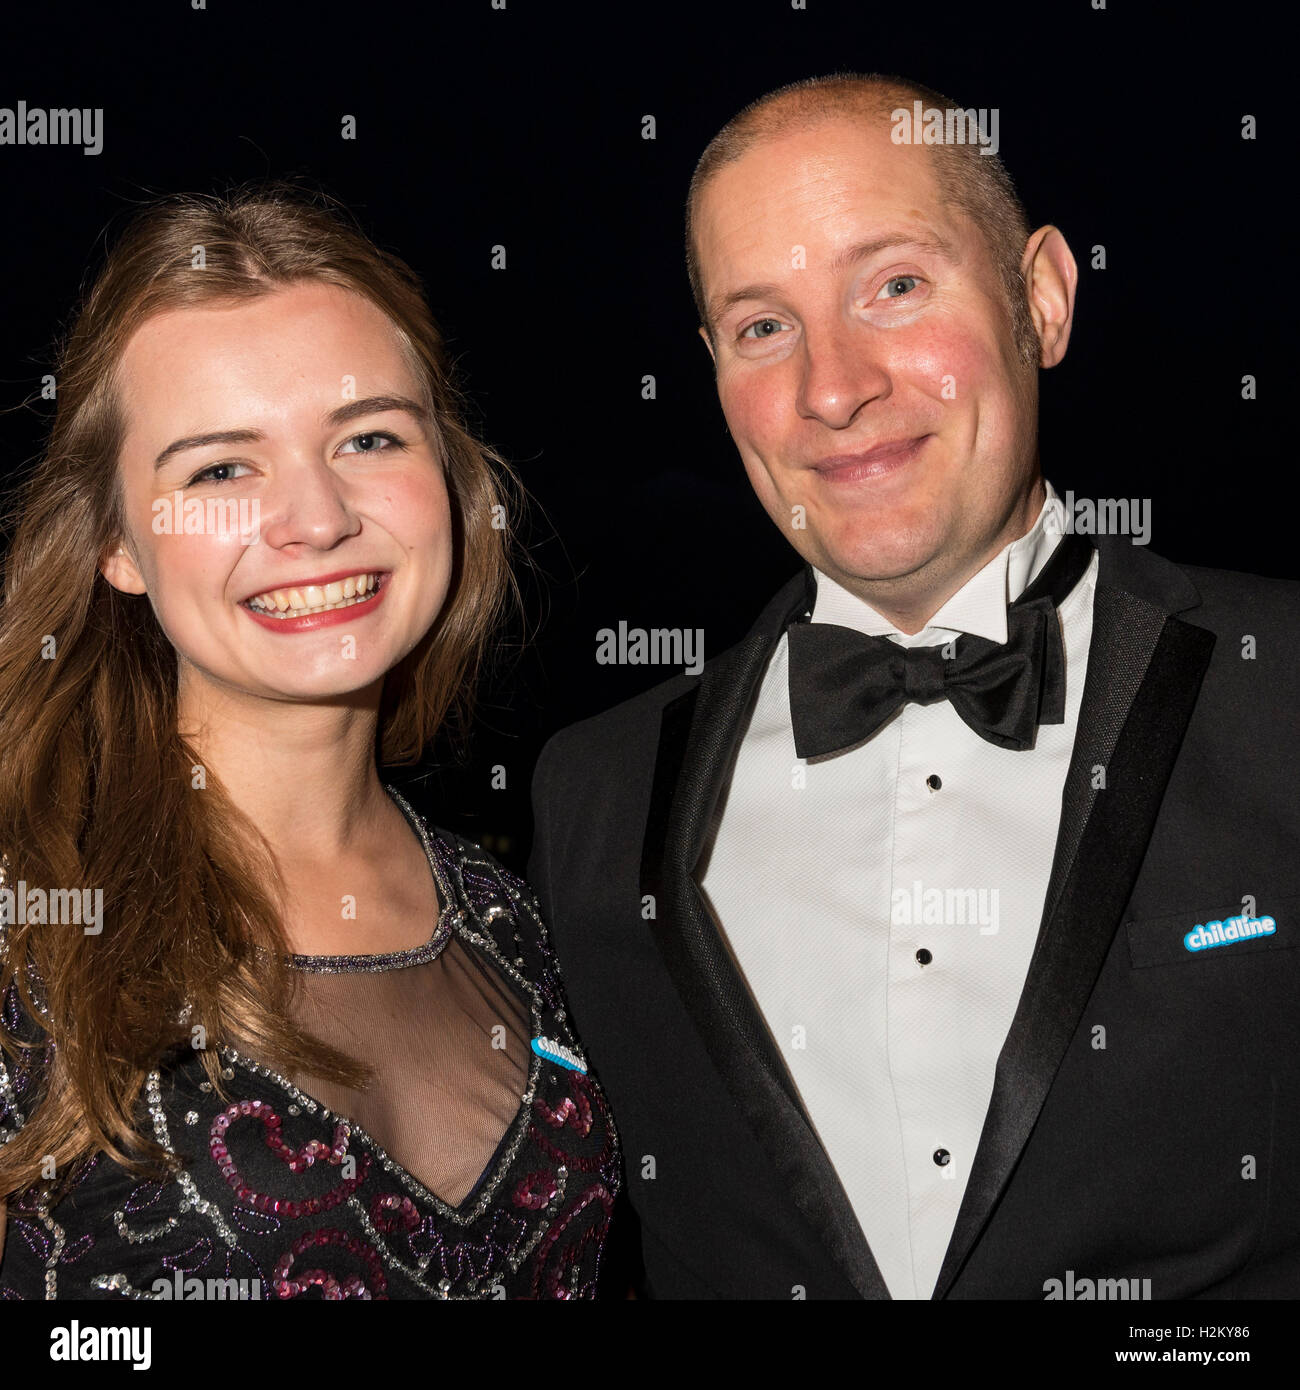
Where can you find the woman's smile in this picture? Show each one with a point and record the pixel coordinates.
(322, 602)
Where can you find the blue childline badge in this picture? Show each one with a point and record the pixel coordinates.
(556, 1052)
(1203, 936)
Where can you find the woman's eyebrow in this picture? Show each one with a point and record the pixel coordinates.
(350, 410)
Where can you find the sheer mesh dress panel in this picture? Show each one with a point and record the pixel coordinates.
(447, 1043)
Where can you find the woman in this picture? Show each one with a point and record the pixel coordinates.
(261, 1022)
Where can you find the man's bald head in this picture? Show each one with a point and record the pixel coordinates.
(975, 183)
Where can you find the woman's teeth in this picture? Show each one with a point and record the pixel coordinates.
(316, 598)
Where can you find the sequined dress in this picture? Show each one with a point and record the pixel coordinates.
(481, 1088)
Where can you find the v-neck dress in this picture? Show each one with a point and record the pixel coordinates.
(480, 1161)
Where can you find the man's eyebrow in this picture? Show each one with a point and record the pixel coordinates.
(350, 410)
(850, 256)
(936, 246)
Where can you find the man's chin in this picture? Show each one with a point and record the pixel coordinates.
(877, 558)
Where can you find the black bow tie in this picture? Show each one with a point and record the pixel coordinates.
(844, 684)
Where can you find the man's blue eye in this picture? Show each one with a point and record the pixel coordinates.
(909, 281)
(758, 323)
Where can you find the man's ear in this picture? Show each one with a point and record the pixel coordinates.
(1051, 278)
(708, 343)
(121, 572)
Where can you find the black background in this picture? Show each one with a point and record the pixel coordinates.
(523, 127)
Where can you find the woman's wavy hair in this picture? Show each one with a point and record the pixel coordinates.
(95, 780)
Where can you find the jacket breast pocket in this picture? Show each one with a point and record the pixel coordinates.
(1198, 937)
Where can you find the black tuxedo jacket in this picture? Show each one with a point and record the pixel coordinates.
(1145, 1117)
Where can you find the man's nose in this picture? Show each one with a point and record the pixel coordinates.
(841, 371)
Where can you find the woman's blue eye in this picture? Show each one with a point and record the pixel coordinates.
(758, 323)
(202, 474)
(910, 281)
(371, 435)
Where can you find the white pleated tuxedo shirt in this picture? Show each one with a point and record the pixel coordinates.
(828, 876)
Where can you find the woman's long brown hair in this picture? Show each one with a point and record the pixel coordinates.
(96, 785)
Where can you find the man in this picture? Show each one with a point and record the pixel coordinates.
(936, 941)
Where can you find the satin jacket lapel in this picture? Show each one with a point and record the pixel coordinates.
(699, 735)
(1144, 674)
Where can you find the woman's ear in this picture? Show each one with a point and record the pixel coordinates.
(121, 572)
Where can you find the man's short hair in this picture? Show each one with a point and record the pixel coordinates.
(974, 182)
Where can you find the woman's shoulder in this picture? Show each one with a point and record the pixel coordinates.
(28, 1051)
(483, 884)
(498, 903)
(15, 1019)
(483, 874)
(24, 1061)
